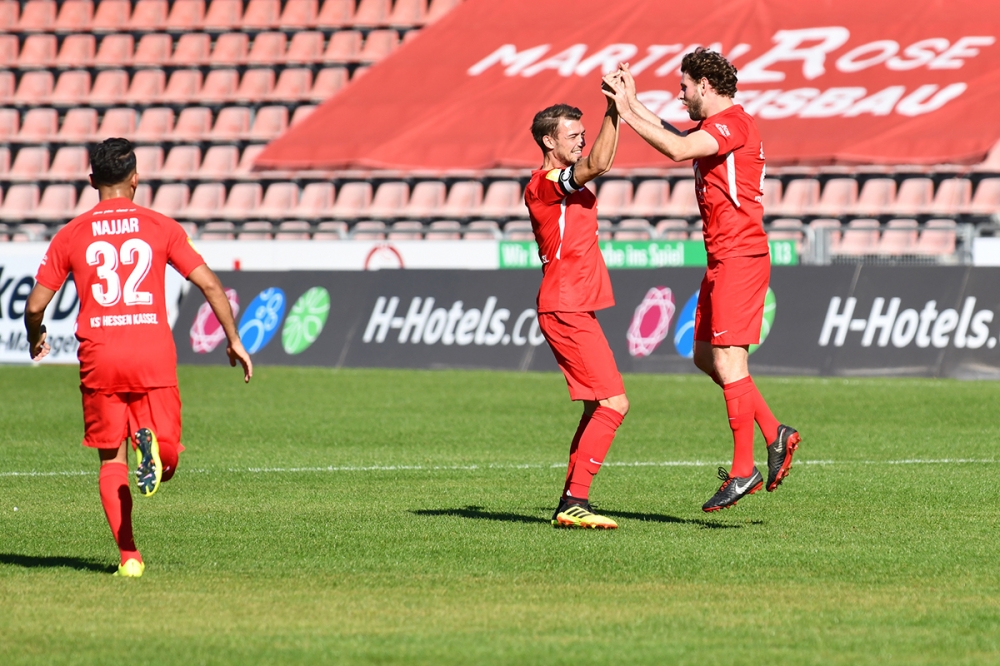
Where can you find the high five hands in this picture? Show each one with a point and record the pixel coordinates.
(619, 88)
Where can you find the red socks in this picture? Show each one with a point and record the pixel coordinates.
(117, 502)
(745, 404)
(574, 448)
(594, 442)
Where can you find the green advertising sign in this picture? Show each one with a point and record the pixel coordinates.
(641, 254)
(306, 320)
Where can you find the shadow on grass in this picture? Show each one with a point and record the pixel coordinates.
(36, 561)
(661, 518)
(478, 513)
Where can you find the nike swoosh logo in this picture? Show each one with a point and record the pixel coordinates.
(715, 335)
(744, 488)
(595, 462)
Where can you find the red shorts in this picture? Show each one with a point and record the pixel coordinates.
(583, 354)
(731, 301)
(108, 418)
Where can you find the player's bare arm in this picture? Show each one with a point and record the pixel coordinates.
(34, 312)
(638, 107)
(602, 155)
(208, 282)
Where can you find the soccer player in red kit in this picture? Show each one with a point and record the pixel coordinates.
(118, 254)
(575, 283)
(728, 159)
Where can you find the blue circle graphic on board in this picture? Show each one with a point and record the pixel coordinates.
(261, 319)
(684, 333)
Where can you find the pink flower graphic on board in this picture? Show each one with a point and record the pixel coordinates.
(651, 321)
(206, 331)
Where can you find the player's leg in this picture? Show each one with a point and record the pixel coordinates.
(155, 421)
(589, 406)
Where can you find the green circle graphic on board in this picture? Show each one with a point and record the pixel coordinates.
(770, 305)
(306, 320)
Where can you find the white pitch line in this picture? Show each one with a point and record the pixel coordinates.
(472, 468)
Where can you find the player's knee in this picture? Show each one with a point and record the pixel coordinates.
(619, 403)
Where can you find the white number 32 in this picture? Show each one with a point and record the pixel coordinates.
(105, 256)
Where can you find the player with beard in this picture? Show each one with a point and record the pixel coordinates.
(728, 159)
(575, 283)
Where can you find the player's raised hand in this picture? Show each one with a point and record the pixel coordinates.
(614, 89)
(236, 352)
(626, 77)
(40, 349)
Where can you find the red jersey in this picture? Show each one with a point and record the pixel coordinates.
(730, 186)
(564, 219)
(118, 254)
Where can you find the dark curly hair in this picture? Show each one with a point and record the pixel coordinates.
(547, 120)
(112, 161)
(704, 64)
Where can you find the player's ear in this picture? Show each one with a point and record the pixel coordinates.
(549, 142)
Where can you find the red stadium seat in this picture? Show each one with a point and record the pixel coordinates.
(501, 200)
(110, 87)
(915, 196)
(614, 197)
(368, 230)
(683, 202)
(220, 86)
(72, 88)
(182, 163)
(186, 16)
(155, 125)
(672, 229)
(268, 123)
(353, 200)
(38, 51)
(148, 161)
(171, 199)
(335, 14)
(39, 126)
(839, 197)
(154, 50)
(305, 47)
(406, 230)
(242, 202)
(223, 15)
(428, 197)
(218, 231)
(899, 237)
(482, 230)
(953, 195)
(633, 230)
(115, 51)
(232, 124)
(143, 195)
(938, 238)
(800, 196)
(876, 198)
(183, 87)
(256, 230)
(193, 124)
(520, 230)
(439, 8)
(116, 122)
(206, 202)
(193, 49)
(992, 162)
(112, 16)
(344, 46)
(293, 84)
(299, 15)
(219, 163)
(76, 16)
(650, 199)
(268, 48)
(10, 124)
(446, 230)
(149, 86)
(408, 13)
(331, 231)
(293, 230)
(57, 203)
(861, 237)
(279, 201)
(149, 15)
(4, 160)
(302, 112)
(379, 44)
(230, 49)
(389, 201)
(6, 87)
(78, 126)
(34, 88)
(317, 201)
(77, 51)
(10, 12)
(771, 196)
(328, 83)
(464, 198)
(36, 16)
(19, 203)
(372, 13)
(986, 200)
(245, 167)
(261, 15)
(9, 50)
(256, 85)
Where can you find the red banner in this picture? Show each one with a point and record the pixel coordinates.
(885, 81)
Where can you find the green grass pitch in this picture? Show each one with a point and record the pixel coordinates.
(392, 517)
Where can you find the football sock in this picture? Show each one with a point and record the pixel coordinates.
(765, 419)
(740, 407)
(574, 448)
(117, 502)
(594, 444)
(169, 457)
